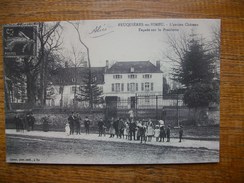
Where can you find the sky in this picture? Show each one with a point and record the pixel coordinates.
(130, 39)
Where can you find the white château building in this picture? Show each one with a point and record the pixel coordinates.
(124, 85)
(126, 82)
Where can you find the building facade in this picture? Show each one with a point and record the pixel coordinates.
(125, 85)
(126, 82)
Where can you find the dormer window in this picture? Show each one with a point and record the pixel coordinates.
(117, 76)
(147, 76)
(132, 69)
(132, 76)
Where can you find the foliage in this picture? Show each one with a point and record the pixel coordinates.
(90, 91)
(196, 73)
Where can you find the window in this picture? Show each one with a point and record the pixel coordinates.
(147, 76)
(128, 87)
(132, 69)
(142, 86)
(147, 86)
(136, 86)
(112, 87)
(151, 86)
(117, 87)
(122, 86)
(132, 76)
(72, 89)
(117, 76)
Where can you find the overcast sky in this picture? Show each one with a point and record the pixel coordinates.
(131, 40)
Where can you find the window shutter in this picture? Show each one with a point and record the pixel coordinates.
(112, 87)
(152, 86)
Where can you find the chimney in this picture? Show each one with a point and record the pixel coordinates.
(106, 66)
(158, 64)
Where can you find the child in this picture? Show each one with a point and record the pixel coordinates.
(126, 130)
(67, 129)
(157, 133)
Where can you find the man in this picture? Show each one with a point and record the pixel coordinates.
(71, 120)
(100, 127)
(18, 123)
(87, 125)
(168, 133)
(31, 121)
(132, 130)
(131, 115)
(121, 127)
(180, 133)
(77, 123)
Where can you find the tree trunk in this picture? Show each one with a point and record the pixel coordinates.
(30, 89)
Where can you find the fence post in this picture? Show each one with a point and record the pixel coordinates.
(136, 105)
(156, 107)
(178, 108)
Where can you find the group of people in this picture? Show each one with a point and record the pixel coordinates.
(142, 130)
(25, 122)
(130, 129)
(74, 126)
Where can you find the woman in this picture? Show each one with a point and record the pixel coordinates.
(111, 128)
(150, 131)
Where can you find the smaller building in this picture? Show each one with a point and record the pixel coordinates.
(66, 83)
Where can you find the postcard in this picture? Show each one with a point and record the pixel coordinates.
(121, 91)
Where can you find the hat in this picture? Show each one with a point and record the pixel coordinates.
(161, 123)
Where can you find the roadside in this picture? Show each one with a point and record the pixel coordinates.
(187, 143)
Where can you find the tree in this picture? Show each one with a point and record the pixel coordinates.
(49, 36)
(195, 71)
(89, 78)
(94, 94)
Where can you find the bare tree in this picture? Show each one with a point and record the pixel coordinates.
(50, 40)
(77, 28)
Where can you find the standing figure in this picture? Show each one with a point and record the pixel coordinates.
(150, 131)
(71, 120)
(45, 123)
(30, 121)
(162, 133)
(126, 130)
(67, 129)
(111, 128)
(87, 125)
(132, 129)
(18, 123)
(116, 127)
(180, 133)
(121, 127)
(142, 131)
(131, 115)
(157, 133)
(168, 133)
(100, 127)
(77, 123)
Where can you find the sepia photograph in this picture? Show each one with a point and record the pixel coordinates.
(120, 91)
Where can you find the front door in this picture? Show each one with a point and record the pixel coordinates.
(111, 106)
(132, 102)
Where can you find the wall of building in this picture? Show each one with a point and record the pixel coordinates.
(156, 79)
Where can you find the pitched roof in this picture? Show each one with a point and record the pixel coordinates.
(67, 76)
(139, 67)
